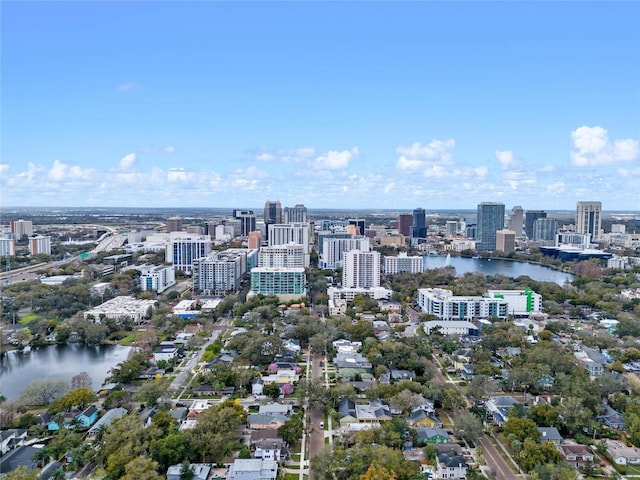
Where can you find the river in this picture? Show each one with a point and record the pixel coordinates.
(17, 370)
(493, 266)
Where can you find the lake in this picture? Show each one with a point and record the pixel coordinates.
(58, 361)
(492, 266)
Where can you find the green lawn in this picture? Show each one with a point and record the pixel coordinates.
(26, 319)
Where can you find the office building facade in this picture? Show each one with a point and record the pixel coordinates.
(589, 219)
(405, 220)
(530, 221)
(7, 247)
(296, 214)
(490, 220)
(545, 229)
(506, 241)
(516, 221)
(272, 214)
(183, 249)
(174, 224)
(157, 278)
(419, 224)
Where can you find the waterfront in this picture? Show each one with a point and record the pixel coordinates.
(493, 266)
(17, 370)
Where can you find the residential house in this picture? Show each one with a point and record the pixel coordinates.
(87, 417)
(424, 416)
(273, 408)
(200, 471)
(594, 368)
(373, 412)
(260, 421)
(269, 449)
(499, 406)
(432, 435)
(203, 390)
(401, 375)
(611, 418)
(450, 465)
(550, 434)
(10, 439)
(49, 469)
(165, 352)
(347, 410)
(18, 457)
(265, 434)
(106, 420)
(253, 469)
(576, 455)
(622, 454)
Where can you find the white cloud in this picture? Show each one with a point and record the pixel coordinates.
(388, 187)
(336, 160)
(432, 158)
(505, 157)
(127, 161)
(178, 175)
(127, 87)
(556, 188)
(167, 149)
(296, 155)
(61, 171)
(4, 168)
(592, 147)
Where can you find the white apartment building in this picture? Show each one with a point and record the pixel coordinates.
(333, 250)
(282, 256)
(121, 307)
(361, 269)
(220, 272)
(40, 245)
(7, 247)
(21, 228)
(183, 249)
(157, 278)
(286, 233)
(403, 263)
(445, 306)
(520, 302)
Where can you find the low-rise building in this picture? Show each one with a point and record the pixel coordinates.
(120, 308)
(253, 469)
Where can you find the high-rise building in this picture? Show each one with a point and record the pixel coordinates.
(361, 269)
(516, 221)
(21, 228)
(282, 256)
(247, 221)
(359, 223)
(40, 245)
(174, 224)
(296, 214)
(403, 263)
(255, 240)
(157, 278)
(451, 228)
(333, 250)
(287, 283)
(7, 246)
(545, 229)
(405, 220)
(589, 218)
(419, 224)
(272, 214)
(530, 220)
(490, 220)
(506, 241)
(183, 249)
(220, 272)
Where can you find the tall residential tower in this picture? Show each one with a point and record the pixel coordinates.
(490, 220)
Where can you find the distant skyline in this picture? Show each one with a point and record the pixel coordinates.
(394, 105)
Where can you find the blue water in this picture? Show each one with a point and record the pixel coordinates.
(498, 267)
(58, 361)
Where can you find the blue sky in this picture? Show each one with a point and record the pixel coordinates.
(330, 104)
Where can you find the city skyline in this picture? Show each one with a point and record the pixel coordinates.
(332, 104)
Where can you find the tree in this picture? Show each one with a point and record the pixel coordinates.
(272, 391)
(141, 468)
(544, 415)
(378, 472)
(522, 429)
(468, 427)
(481, 386)
(291, 431)
(43, 391)
(407, 400)
(150, 391)
(24, 336)
(21, 473)
(83, 379)
(186, 472)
